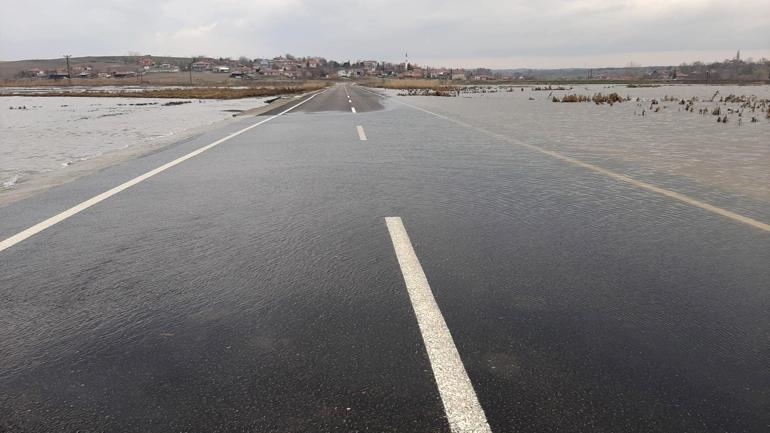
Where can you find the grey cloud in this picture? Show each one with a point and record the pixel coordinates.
(454, 31)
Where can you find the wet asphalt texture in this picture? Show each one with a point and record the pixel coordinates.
(254, 288)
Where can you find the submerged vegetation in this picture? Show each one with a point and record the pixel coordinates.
(722, 107)
(438, 87)
(440, 91)
(549, 87)
(416, 87)
(597, 98)
(732, 105)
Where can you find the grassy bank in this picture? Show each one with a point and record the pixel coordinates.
(190, 92)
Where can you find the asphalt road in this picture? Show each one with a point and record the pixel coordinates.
(258, 287)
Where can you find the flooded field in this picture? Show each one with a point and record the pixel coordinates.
(34, 90)
(267, 275)
(667, 135)
(653, 138)
(48, 135)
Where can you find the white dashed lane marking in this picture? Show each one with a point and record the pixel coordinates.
(461, 404)
(361, 133)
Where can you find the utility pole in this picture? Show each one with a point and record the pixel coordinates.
(69, 70)
(192, 61)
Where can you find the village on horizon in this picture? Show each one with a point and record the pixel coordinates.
(312, 68)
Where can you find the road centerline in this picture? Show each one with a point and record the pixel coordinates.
(361, 133)
(462, 407)
(39, 227)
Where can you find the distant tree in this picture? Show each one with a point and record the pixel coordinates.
(747, 68)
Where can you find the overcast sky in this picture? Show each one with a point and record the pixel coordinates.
(468, 33)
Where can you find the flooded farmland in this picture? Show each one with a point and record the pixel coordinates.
(653, 138)
(577, 300)
(668, 135)
(46, 136)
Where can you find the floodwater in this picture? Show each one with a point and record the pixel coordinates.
(255, 288)
(727, 163)
(47, 135)
(33, 90)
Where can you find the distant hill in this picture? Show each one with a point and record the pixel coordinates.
(734, 69)
(581, 73)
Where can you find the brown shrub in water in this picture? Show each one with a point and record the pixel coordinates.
(610, 99)
(574, 98)
(441, 91)
(597, 98)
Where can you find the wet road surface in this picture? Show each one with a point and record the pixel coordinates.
(256, 287)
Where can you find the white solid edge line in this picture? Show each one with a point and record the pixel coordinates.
(39, 227)
(595, 168)
(462, 407)
(361, 133)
